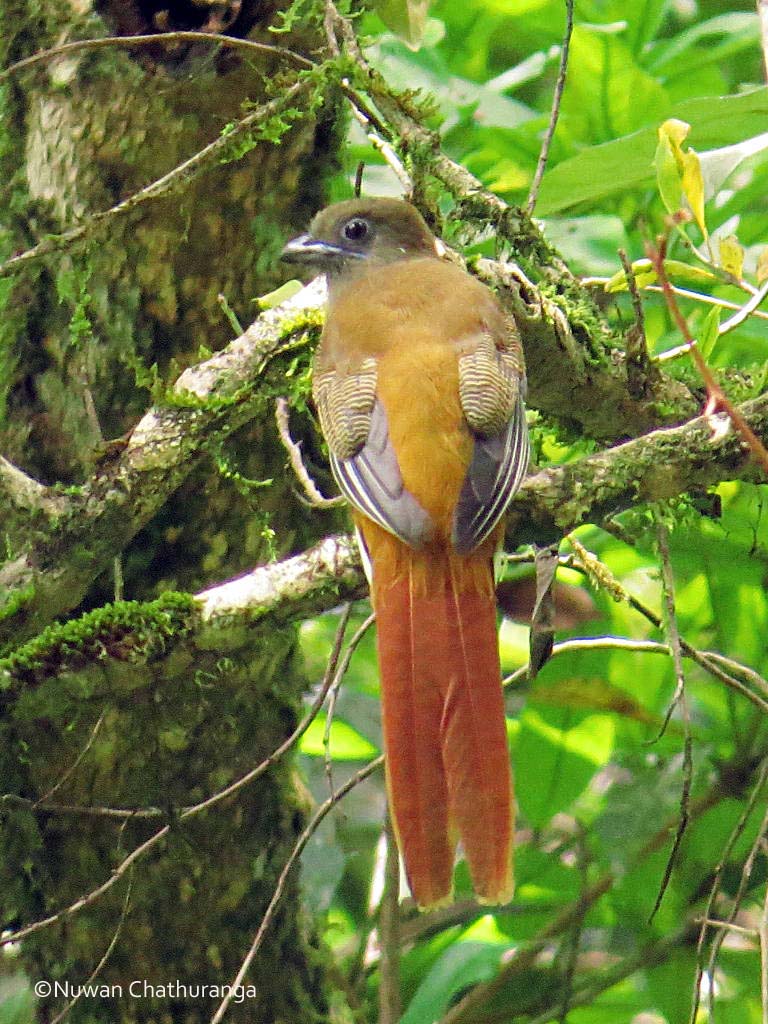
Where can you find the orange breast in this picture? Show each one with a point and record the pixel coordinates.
(412, 316)
(418, 385)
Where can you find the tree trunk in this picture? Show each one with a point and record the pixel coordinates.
(80, 331)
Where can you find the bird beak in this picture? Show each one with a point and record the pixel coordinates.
(315, 252)
(306, 249)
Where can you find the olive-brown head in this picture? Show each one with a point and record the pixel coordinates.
(345, 237)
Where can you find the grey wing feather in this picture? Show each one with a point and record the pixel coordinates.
(371, 481)
(499, 464)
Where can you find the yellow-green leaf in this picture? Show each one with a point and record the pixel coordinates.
(406, 18)
(678, 173)
(693, 187)
(762, 266)
(732, 256)
(645, 275)
(283, 293)
(710, 332)
(345, 743)
(669, 175)
(593, 695)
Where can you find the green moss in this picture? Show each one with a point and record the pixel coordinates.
(16, 602)
(127, 631)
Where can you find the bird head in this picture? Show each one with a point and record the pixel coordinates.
(347, 237)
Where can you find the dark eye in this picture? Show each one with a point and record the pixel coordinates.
(355, 230)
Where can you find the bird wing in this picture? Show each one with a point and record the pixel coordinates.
(491, 389)
(372, 482)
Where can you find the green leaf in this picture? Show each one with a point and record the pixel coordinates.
(738, 30)
(678, 171)
(608, 92)
(627, 163)
(345, 743)
(406, 18)
(558, 750)
(709, 335)
(463, 965)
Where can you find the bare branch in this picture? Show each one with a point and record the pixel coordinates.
(297, 463)
(555, 112)
(746, 874)
(198, 163)
(75, 764)
(680, 698)
(390, 1002)
(81, 989)
(167, 39)
(277, 895)
(718, 400)
(733, 838)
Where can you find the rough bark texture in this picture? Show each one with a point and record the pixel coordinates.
(190, 693)
(174, 730)
(81, 133)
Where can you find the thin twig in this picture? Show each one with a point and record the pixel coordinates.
(680, 698)
(335, 677)
(555, 112)
(603, 578)
(277, 895)
(717, 397)
(382, 145)
(466, 1010)
(639, 365)
(685, 293)
(733, 838)
(653, 954)
(390, 1002)
(316, 499)
(745, 311)
(73, 767)
(713, 922)
(333, 692)
(762, 13)
(746, 874)
(763, 936)
(100, 965)
(118, 578)
(705, 659)
(574, 939)
(158, 39)
(359, 172)
(180, 174)
(138, 852)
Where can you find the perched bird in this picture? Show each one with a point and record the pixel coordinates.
(419, 384)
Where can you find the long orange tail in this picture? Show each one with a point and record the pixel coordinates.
(448, 769)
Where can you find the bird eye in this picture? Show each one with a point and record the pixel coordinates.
(355, 230)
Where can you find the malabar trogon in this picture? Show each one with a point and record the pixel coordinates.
(419, 384)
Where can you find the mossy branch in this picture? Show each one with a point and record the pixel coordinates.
(214, 398)
(52, 573)
(660, 465)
